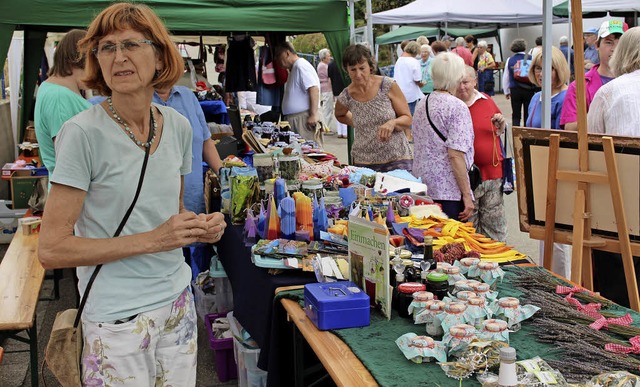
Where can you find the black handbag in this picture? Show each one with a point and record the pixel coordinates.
(475, 177)
(508, 180)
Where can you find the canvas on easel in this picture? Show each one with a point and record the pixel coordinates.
(584, 177)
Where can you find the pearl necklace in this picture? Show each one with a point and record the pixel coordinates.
(154, 125)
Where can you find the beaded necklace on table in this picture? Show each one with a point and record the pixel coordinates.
(154, 125)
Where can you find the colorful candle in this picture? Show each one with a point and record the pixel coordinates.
(304, 213)
(279, 190)
(287, 211)
(273, 223)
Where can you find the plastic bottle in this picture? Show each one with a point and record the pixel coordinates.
(507, 375)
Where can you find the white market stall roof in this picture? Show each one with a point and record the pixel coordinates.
(464, 12)
(599, 8)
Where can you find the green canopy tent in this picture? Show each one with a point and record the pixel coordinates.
(182, 17)
(412, 32)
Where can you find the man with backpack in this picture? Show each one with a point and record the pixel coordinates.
(516, 84)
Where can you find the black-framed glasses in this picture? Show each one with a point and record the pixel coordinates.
(109, 49)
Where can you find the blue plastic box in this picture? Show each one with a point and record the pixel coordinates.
(335, 305)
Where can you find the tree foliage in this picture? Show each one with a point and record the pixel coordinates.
(360, 10)
(310, 43)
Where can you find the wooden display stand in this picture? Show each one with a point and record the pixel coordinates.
(582, 239)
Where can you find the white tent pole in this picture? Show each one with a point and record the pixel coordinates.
(369, 25)
(546, 63)
(570, 48)
(15, 56)
(352, 23)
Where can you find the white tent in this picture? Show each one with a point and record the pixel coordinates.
(456, 12)
(597, 6)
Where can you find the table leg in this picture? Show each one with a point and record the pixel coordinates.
(298, 356)
(33, 349)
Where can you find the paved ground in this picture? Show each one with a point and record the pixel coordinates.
(14, 370)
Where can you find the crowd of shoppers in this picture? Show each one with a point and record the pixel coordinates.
(443, 96)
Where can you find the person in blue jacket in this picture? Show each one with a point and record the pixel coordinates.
(183, 100)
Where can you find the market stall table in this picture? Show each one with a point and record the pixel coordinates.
(370, 353)
(253, 294)
(215, 111)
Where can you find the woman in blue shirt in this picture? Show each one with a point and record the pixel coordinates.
(559, 77)
(204, 149)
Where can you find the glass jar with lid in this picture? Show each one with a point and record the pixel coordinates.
(419, 302)
(289, 167)
(265, 166)
(405, 297)
(438, 284)
(313, 188)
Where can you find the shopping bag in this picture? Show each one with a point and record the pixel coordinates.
(268, 74)
(64, 349)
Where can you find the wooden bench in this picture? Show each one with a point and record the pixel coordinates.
(21, 277)
(336, 357)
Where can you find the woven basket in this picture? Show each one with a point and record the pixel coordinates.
(30, 135)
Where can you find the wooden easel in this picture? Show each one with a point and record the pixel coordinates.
(583, 241)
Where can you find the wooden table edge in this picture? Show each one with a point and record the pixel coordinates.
(335, 355)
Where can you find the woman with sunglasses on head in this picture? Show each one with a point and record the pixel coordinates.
(139, 321)
(560, 75)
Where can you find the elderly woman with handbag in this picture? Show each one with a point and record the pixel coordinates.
(488, 125)
(139, 320)
(443, 140)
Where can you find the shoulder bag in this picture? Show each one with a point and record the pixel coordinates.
(63, 354)
(475, 177)
(268, 72)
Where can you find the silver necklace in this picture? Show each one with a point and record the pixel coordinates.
(154, 126)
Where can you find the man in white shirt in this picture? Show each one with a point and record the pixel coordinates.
(614, 111)
(408, 74)
(301, 92)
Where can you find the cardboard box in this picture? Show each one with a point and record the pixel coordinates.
(336, 305)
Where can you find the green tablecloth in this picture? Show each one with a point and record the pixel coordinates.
(375, 345)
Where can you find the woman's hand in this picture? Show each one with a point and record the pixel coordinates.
(499, 123)
(386, 130)
(180, 230)
(468, 208)
(215, 227)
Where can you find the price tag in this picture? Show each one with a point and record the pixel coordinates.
(529, 365)
(545, 377)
